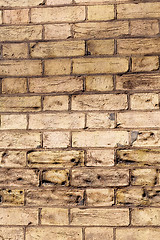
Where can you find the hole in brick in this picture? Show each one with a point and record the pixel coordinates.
(19, 179)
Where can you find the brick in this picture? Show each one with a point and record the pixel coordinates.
(138, 10)
(100, 29)
(57, 49)
(56, 177)
(99, 233)
(144, 177)
(133, 119)
(138, 233)
(50, 233)
(21, 33)
(49, 159)
(144, 101)
(142, 64)
(13, 122)
(100, 197)
(99, 83)
(140, 81)
(18, 178)
(100, 120)
(55, 197)
(19, 140)
(146, 216)
(54, 216)
(108, 217)
(99, 102)
(20, 3)
(56, 139)
(18, 216)
(57, 31)
(59, 14)
(0, 17)
(144, 27)
(146, 138)
(99, 177)
(12, 159)
(12, 233)
(138, 46)
(100, 158)
(58, 67)
(17, 16)
(12, 197)
(100, 12)
(56, 84)
(99, 139)
(15, 50)
(55, 103)
(100, 47)
(88, 2)
(14, 85)
(58, 2)
(20, 104)
(20, 68)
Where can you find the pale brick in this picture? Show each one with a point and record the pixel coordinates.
(138, 233)
(55, 103)
(142, 64)
(14, 85)
(100, 12)
(57, 31)
(88, 2)
(62, 14)
(56, 177)
(56, 139)
(100, 139)
(19, 140)
(100, 197)
(20, 68)
(12, 159)
(100, 120)
(144, 177)
(20, 3)
(11, 197)
(49, 159)
(13, 122)
(87, 177)
(100, 158)
(100, 29)
(15, 50)
(12, 233)
(56, 84)
(146, 216)
(108, 217)
(144, 27)
(100, 65)
(57, 49)
(98, 233)
(21, 33)
(144, 101)
(20, 104)
(146, 138)
(100, 47)
(58, 2)
(54, 216)
(58, 67)
(99, 83)
(0, 17)
(51, 233)
(17, 16)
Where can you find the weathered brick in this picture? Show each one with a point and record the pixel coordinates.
(0, 17)
(11, 197)
(58, 67)
(56, 139)
(59, 14)
(54, 216)
(57, 49)
(88, 2)
(100, 120)
(20, 3)
(100, 197)
(17, 16)
(99, 102)
(58, 2)
(99, 83)
(20, 68)
(100, 65)
(100, 47)
(14, 85)
(138, 233)
(12, 159)
(49, 159)
(13, 122)
(146, 138)
(99, 233)
(99, 177)
(100, 12)
(12, 233)
(146, 216)
(144, 27)
(100, 158)
(15, 50)
(52, 103)
(142, 64)
(108, 217)
(144, 101)
(56, 177)
(144, 177)
(20, 104)
(57, 31)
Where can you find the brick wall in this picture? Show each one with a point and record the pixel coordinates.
(79, 120)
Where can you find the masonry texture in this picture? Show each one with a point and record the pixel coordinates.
(79, 120)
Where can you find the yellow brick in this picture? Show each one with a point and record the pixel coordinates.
(99, 83)
(100, 47)
(144, 177)
(98, 233)
(141, 64)
(57, 31)
(146, 216)
(58, 2)
(54, 216)
(56, 139)
(20, 3)
(11, 197)
(16, 50)
(146, 138)
(58, 67)
(100, 12)
(63, 14)
(88, 2)
(12, 159)
(100, 120)
(144, 101)
(138, 233)
(100, 158)
(100, 197)
(13, 122)
(144, 27)
(17, 16)
(14, 85)
(12, 233)
(52, 103)
(56, 177)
